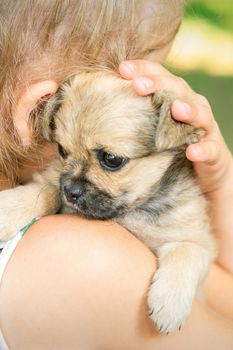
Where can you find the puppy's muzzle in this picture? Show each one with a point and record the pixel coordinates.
(82, 197)
(73, 192)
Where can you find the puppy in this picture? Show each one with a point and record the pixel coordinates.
(122, 158)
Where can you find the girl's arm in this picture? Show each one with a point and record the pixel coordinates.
(81, 284)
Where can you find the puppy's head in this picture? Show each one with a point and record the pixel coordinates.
(115, 146)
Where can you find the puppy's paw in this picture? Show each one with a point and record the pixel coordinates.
(169, 303)
(7, 232)
(15, 212)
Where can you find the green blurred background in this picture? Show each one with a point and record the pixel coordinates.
(203, 56)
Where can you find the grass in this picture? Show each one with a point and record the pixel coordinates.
(218, 13)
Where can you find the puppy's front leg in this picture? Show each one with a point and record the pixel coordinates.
(182, 265)
(18, 206)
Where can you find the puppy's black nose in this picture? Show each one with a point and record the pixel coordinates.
(73, 192)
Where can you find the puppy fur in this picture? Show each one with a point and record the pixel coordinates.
(95, 117)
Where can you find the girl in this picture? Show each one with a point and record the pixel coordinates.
(78, 284)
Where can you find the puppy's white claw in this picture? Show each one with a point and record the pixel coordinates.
(170, 304)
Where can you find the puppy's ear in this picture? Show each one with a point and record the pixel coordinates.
(48, 116)
(171, 134)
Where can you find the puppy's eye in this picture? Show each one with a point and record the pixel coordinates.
(110, 161)
(62, 152)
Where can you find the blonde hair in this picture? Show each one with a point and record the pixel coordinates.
(52, 39)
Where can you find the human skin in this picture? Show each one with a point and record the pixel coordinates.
(77, 284)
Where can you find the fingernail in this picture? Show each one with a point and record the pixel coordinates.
(128, 66)
(184, 107)
(197, 150)
(144, 83)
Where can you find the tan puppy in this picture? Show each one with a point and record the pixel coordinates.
(122, 158)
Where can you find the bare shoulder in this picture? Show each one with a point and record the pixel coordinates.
(74, 283)
(63, 274)
(63, 240)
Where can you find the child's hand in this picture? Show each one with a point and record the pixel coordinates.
(212, 159)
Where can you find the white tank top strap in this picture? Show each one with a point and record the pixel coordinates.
(3, 345)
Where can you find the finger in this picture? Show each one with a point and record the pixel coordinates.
(136, 68)
(207, 152)
(147, 85)
(181, 111)
(193, 113)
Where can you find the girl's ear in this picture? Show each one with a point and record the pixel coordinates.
(47, 127)
(27, 103)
